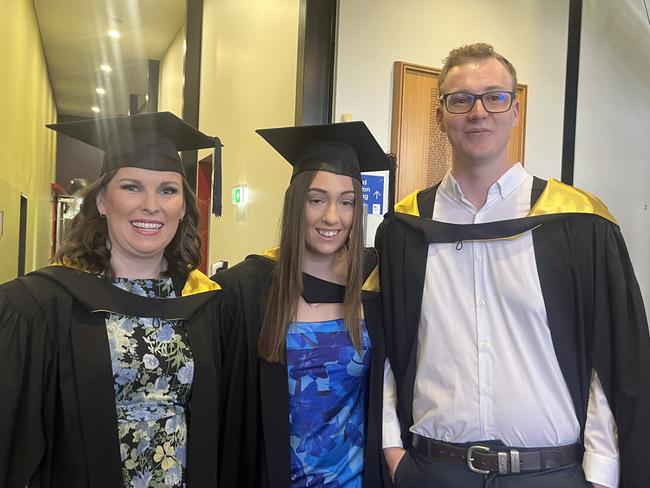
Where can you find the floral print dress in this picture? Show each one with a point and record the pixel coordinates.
(328, 381)
(153, 372)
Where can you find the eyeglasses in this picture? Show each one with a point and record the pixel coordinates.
(461, 102)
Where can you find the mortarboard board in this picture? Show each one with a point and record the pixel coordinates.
(147, 141)
(345, 148)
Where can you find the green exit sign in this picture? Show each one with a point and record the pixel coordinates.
(237, 196)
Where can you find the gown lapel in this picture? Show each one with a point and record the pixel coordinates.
(203, 427)
(274, 394)
(94, 378)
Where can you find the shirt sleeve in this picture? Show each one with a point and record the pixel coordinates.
(601, 460)
(391, 432)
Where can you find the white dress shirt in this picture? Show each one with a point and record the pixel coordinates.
(486, 365)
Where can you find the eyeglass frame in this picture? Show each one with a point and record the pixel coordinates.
(478, 96)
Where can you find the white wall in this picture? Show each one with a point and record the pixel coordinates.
(612, 158)
(613, 122)
(373, 34)
(532, 34)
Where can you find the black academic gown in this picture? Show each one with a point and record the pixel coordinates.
(58, 422)
(593, 302)
(255, 450)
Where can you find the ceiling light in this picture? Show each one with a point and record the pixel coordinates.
(95, 109)
(100, 91)
(106, 68)
(114, 34)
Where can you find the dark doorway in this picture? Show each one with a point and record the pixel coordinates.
(316, 59)
(22, 235)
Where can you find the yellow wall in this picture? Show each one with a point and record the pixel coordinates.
(27, 154)
(248, 81)
(170, 92)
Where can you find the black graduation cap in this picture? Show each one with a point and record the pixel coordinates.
(345, 148)
(148, 141)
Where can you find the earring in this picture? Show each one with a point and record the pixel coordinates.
(103, 216)
(180, 220)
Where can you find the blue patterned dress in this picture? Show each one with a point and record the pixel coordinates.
(327, 398)
(153, 372)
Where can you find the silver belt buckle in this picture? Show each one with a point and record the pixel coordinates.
(470, 459)
(515, 464)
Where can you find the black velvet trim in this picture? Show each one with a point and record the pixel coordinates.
(315, 290)
(99, 295)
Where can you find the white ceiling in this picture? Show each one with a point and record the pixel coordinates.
(76, 42)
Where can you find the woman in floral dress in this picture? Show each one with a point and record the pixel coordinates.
(311, 364)
(104, 355)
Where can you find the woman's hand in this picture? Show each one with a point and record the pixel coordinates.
(393, 457)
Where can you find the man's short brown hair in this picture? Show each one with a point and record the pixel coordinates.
(473, 52)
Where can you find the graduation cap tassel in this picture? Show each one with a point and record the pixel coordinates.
(392, 171)
(217, 179)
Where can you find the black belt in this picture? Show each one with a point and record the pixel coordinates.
(503, 460)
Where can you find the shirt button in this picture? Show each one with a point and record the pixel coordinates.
(478, 258)
(484, 347)
(481, 302)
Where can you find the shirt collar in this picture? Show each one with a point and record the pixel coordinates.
(504, 186)
(511, 179)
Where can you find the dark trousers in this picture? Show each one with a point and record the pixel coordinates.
(417, 471)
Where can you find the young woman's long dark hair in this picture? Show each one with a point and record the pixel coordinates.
(88, 246)
(286, 288)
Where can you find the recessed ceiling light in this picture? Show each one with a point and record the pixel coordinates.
(95, 109)
(100, 91)
(106, 68)
(114, 34)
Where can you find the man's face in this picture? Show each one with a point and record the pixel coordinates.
(478, 138)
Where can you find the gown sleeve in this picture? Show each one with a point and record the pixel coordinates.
(241, 450)
(620, 353)
(26, 357)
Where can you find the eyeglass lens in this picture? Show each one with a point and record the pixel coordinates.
(460, 103)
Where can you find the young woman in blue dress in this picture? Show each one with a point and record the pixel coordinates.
(312, 354)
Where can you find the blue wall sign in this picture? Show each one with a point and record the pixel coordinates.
(372, 188)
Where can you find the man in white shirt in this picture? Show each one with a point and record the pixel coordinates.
(518, 349)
